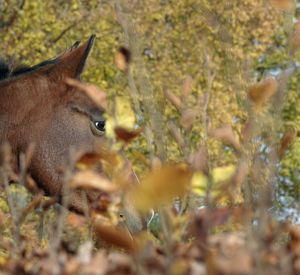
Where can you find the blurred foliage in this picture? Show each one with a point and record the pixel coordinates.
(222, 45)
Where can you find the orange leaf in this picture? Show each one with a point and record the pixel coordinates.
(123, 58)
(126, 135)
(88, 160)
(199, 160)
(91, 180)
(115, 236)
(175, 100)
(286, 141)
(176, 134)
(188, 117)
(284, 5)
(261, 92)
(187, 86)
(226, 135)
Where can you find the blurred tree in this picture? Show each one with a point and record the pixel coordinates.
(224, 46)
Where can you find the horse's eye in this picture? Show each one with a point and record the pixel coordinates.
(98, 127)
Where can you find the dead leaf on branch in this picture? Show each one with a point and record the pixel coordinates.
(189, 117)
(283, 5)
(88, 160)
(287, 140)
(187, 86)
(114, 235)
(261, 93)
(92, 91)
(240, 174)
(199, 160)
(226, 135)
(123, 58)
(125, 134)
(90, 180)
(174, 99)
(175, 131)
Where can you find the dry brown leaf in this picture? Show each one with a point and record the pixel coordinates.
(88, 160)
(114, 235)
(188, 117)
(174, 99)
(76, 220)
(99, 264)
(71, 267)
(283, 5)
(125, 134)
(227, 249)
(176, 134)
(240, 174)
(91, 180)
(199, 160)
(123, 58)
(246, 131)
(286, 141)
(262, 92)
(187, 86)
(161, 186)
(226, 135)
(92, 91)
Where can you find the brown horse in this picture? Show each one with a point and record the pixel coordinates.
(37, 107)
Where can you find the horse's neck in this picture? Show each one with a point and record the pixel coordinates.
(17, 98)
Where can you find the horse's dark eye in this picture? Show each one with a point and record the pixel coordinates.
(100, 125)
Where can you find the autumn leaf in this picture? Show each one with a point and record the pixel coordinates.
(198, 160)
(76, 220)
(189, 117)
(174, 99)
(187, 87)
(286, 141)
(175, 131)
(240, 173)
(161, 186)
(92, 91)
(91, 180)
(283, 5)
(262, 92)
(220, 174)
(123, 58)
(295, 39)
(114, 235)
(88, 160)
(226, 135)
(125, 134)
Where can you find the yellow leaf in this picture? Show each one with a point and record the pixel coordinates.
(220, 174)
(161, 186)
(199, 183)
(123, 117)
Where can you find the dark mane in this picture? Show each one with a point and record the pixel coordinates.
(6, 71)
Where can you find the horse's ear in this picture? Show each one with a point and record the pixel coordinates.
(71, 63)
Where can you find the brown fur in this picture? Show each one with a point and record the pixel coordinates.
(38, 107)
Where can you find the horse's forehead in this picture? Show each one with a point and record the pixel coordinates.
(80, 99)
